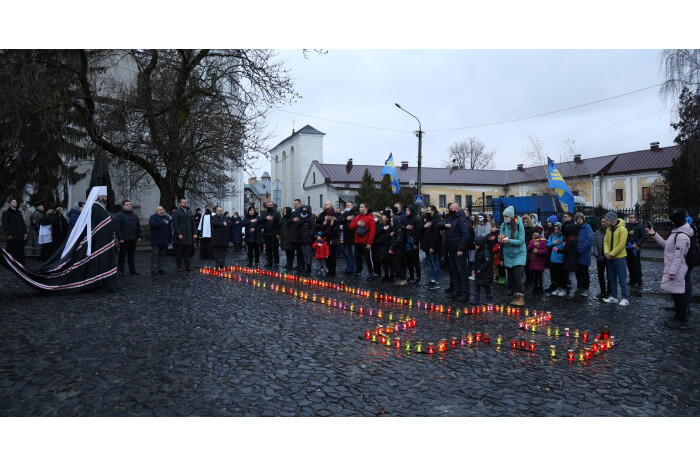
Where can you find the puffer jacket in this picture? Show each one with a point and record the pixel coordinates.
(127, 225)
(457, 235)
(397, 242)
(676, 246)
(514, 252)
(537, 248)
(321, 250)
(598, 241)
(431, 235)
(236, 230)
(482, 263)
(307, 228)
(584, 244)
(558, 255)
(616, 240)
(570, 249)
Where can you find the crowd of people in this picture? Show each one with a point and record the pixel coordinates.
(387, 243)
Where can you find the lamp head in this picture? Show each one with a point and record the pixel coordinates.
(397, 105)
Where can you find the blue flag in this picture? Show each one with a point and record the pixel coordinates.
(556, 181)
(390, 169)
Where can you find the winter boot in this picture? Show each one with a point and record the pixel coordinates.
(489, 299)
(519, 300)
(476, 298)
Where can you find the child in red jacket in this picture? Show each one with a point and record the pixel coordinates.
(322, 252)
(499, 272)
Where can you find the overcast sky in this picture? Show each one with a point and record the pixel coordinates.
(449, 90)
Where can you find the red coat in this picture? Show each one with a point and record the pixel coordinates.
(538, 259)
(322, 250)
(367, 238)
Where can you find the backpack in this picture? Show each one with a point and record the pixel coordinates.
(692, 258)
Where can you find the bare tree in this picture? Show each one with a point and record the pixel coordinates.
(680, 69)
(535, 152)
(569, 151)
(470, 154)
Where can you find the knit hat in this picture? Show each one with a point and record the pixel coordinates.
(558, 224)
(330, 212)
(538, 229)
(677, 218)
(579, 214)
(611, 216)
(509, 212)
(553, 219)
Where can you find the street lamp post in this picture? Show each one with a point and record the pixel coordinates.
(420, 145)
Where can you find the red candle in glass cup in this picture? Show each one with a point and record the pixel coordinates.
(513, 344)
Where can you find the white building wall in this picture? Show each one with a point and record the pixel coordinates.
(290, 162)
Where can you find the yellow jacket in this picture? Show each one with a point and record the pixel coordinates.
(616, 240)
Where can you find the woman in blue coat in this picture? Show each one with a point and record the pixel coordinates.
(236, 231)
(585, 244)
(514, 253)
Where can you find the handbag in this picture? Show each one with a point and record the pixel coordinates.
(361, 231)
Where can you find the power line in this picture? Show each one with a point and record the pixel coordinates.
(481, 125)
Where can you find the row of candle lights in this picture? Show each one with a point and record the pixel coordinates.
(603, 341)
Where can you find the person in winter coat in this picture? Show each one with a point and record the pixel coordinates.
(330, 226)
(615, 252)
(160, 239)
(236, 231)
(635, 239)
(252, 236)
(414, 233)
(556, 262)
(363, 227)
(499, 271)
(15, 231)
(307, 235)
(514, 253)
(584, 244)
(74, 214)
(601, 261)
(431, 243)
(270, 222)
(321, 252)
(377, 245)
(549, 227)
(570, 251)
(481, 229)
(527, 224)
(219, 236)
(397, 250)
(286, 227)
(128, 233)
(676, 247)
(482, 270)
(383, 233)
(457, 240)
(538, 251)
(184, 234)
(348, 240)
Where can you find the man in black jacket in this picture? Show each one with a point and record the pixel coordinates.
(184, 235)
(348, 235)
(271, 234)
(219, 235)
(414, 228)
(635, 237)
(15, 231)
(128, 233)
(431, 243)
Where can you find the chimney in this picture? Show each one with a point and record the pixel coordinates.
(577, 157)
(456, 165)
(521, 168)
(404, 165)
(348, 167)
(252, 181)
(655, 146)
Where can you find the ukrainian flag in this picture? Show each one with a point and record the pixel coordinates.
(556, 181)
(390, 169)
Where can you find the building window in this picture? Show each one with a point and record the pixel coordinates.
(308, 200)
(458, 200)
(645, 193)
(489, 199)
(619, 194)
(575, 193)
(533, 194)
(320, 201)
(314, 176)
(467, 200)
(443, 201)
(426, 200)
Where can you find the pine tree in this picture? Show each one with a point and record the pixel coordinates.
(683, 177)
(365, 194)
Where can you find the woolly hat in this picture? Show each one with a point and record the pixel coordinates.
(558, 224)
(579, 214)
(677, 218)
(509, 212)
(538, 229)
(553, 219)
(611, 216)
(330, 212)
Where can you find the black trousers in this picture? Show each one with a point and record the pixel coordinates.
(16, 249)
(296, 246)
(182, 251)
(272, 249)
(634, 266)
(413, 262)
(220, 255)
(602, 281)
(253, 252)
(332, 259)
(290, 258)
(127, 250)
(361, 252)
(398, 266)
(583, 277)
(537, 279)
(377, 258)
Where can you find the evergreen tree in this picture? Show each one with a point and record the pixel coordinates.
(683, 177)
(365, 194)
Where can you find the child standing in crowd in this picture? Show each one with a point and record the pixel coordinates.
(482, 271)
(556, 269)
(495, 248)
(571, 256)
(321, 253)
(538, 256)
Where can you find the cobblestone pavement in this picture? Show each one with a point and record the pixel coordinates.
(185, 344)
